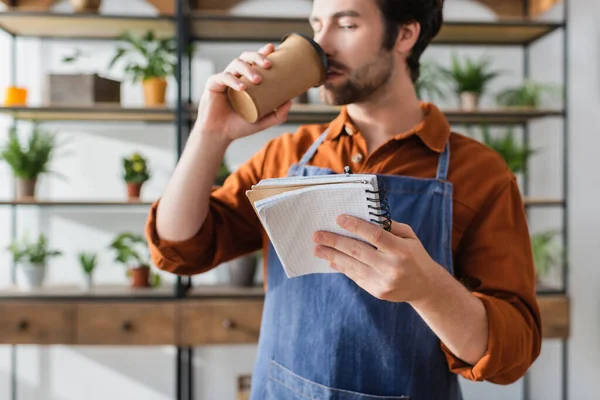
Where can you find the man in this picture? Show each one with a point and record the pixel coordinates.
(450, 290)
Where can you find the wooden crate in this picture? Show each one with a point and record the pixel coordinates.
(81, 90)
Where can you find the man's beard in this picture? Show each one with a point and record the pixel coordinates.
(360, 84)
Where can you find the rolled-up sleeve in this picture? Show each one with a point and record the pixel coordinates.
(495, 261)
(230, 230)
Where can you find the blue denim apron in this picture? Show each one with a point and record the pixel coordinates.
(324, 338)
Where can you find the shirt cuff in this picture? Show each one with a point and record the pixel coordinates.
(185, 257)
(512, 345)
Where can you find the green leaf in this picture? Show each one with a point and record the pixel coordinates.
(148, 56)
(31, 159)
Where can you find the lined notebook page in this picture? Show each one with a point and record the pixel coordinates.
(292, 218)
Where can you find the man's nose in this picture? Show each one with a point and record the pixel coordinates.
(324, 40)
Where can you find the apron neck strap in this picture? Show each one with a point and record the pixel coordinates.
(310, 153)
(443, 163)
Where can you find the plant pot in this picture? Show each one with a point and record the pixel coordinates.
(242, 271)
(33, 275)
(140, 277)
(469, 101)
(26, 189)
(88, 281)
(15, 97)
(155, 90)
(134, 190)
(30, 5)
(86, 6)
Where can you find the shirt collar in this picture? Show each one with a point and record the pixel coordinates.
(433, 130)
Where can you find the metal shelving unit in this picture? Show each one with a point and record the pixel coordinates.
(188, 27)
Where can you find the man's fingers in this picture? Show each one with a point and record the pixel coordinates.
(267, 49)
(277, 117)
(220, 82)
(254, 58)
(370, 232)
(239, 67)
(354, 248)
(345, 264)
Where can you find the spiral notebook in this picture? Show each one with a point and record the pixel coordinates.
(292, 209)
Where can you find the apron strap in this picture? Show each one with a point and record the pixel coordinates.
(310, 153)
(443, 163)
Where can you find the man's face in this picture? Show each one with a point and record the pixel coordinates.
(351, 33)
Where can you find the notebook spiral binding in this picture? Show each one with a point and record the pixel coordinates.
(383, 210)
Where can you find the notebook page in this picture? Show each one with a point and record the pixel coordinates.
(319, 179)
(292, 218)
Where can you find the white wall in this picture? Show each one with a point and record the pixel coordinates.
(149, 372)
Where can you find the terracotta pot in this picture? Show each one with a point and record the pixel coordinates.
(140, 277)
(469, 101)
(155, 90)
(86, 6)
(514, 8)
(30, 5)
(164, 7)
(134, 190)
(26, 189)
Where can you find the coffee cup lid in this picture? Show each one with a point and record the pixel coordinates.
(318, 49)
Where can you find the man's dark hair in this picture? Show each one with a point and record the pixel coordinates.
(428, 13)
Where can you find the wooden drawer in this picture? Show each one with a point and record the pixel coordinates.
(128, 323)
(36, 323)
(220, 322)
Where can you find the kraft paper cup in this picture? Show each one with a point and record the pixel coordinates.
(297, 65)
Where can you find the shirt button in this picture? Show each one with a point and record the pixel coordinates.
(357, 158)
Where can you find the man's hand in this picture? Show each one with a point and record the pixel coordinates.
(396, 269)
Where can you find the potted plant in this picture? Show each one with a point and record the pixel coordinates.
(470, 80)
(530, 94)
(132, 251)
(427, 86)
(88, 263)
(151, 60)
(86, 6)
(547, 253)
(242, 270)
(514, 153)
(29, 161)
(135, 173)
(31, 258)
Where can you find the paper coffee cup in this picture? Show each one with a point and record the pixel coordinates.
(297, 65)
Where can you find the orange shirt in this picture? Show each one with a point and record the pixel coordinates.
(490, 237)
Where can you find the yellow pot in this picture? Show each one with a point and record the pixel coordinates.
(155, 90)
(15, 97)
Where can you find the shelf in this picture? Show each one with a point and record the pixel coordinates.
(97, 113)
(507, 32)
(59, 292)
(73, 203)
(500, 116)
(226, 291)
(81, 26)
(317, 113)
(222, 27)
(543, 202)
(300, 114)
